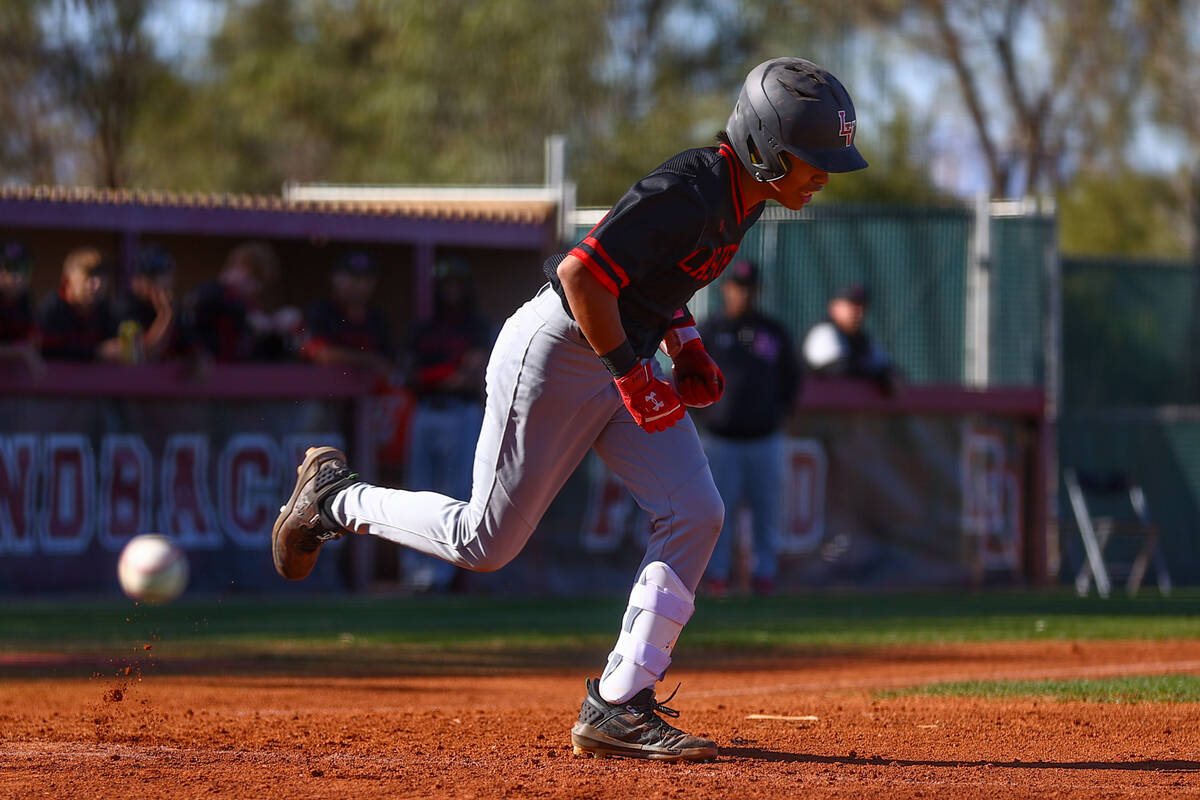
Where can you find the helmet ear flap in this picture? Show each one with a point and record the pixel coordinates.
(756, 158)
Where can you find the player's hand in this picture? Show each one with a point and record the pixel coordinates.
(653, 403)
(697, 376)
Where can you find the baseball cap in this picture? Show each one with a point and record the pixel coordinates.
(154, 261)
(356, 262)
(743, 273)
(452, 266)
(856, 293)
(15, 257)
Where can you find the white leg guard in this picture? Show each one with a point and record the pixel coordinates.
(659, 606)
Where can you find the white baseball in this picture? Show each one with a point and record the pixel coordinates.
(152, 569)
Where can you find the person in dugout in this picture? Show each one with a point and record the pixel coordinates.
(76, 322)
(19, 341)
(344, 328)
(225, 314)
(148, 315)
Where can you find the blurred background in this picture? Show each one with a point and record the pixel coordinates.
(192, 191)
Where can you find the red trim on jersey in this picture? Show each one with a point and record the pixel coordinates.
(731, 159)
(621, 274)
(598, 224)
(596, 270)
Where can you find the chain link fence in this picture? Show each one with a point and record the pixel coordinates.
(916, 264)
(1130, 333)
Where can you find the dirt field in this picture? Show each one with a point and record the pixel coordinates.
(168, 735)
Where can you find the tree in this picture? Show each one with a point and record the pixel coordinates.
(29, 142)
(1123, 212)
(1046, 86)
(75, 77)
(103, 74)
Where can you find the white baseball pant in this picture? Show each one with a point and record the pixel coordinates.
(549, 399)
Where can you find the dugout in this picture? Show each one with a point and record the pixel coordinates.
(505, 239)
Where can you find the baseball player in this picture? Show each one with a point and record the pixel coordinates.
(572, 370)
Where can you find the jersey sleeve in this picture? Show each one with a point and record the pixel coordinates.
(657, 223)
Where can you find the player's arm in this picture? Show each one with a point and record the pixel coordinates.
(592, 304)
(652, 403)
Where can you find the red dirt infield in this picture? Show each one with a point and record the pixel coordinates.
(484, 736)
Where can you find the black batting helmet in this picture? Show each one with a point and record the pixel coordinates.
(789, 105)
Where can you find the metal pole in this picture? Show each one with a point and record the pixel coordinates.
(1052, 322)
(1195, 365)
(564, 190)
(978, 312)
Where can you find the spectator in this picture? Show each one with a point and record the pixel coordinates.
(18, 333)
(745, 438)
(449, 353)
(148, 311)
(76, 323)
(224, 315)
(839, 346)
(345, 328)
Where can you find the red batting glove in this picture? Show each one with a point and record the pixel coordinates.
(697, 376)
(653, 403)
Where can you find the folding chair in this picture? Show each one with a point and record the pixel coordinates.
(1097, 532)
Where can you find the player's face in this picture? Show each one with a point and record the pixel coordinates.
(736, 296)
(83, 287)
(797, 188)
(847, 315)
(13, 281)
(353, 289)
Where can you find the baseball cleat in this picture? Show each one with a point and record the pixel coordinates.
(634, 729)
(303, 524)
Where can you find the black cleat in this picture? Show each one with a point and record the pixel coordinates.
(303, 526)
(634, 729)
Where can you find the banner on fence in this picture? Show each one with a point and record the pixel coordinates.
(80, 476)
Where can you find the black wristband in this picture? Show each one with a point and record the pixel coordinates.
(621, 360)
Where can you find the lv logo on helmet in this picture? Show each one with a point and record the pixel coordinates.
(847, 128)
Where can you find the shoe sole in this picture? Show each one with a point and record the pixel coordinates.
(311, 456)
(586, 740)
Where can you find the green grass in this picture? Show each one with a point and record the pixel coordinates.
(533, 630)
(1133, 689)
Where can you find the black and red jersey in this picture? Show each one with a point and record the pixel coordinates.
(326, 324)
(218, 319)
(439, 347)
(71, 332)
(671, 234)
(16, 319)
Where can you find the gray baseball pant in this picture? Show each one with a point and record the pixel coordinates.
(549, 399)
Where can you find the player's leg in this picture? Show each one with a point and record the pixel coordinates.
(669, 476)
(764, 496)
(726, 467)
(548, 397)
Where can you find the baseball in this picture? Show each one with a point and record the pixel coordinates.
(152, 569)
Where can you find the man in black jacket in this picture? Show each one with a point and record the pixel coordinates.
(745, 438)
(838, 346)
